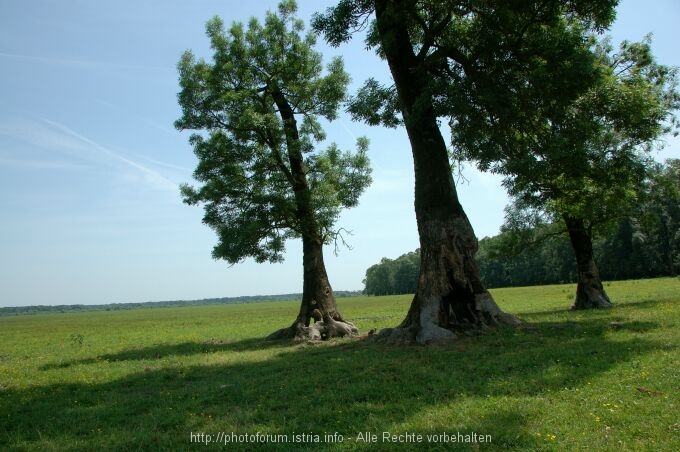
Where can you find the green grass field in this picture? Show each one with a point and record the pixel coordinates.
(148, 379)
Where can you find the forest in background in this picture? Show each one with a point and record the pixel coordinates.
(645, 243)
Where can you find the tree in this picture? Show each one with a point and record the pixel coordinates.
(436, 50)
(258, 104)
(583, 161)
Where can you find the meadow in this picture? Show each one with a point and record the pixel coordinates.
(174, 378)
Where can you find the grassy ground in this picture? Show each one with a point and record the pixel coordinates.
(149, 379)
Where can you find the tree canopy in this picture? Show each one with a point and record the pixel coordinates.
(500, 63)
(249, 163)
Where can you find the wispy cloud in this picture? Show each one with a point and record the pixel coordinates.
(156, 179)
(165, 164)
(37, 134)
(57, 137)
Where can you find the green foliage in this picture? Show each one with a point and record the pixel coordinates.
(564, 381)
(376, 104)
(336, 180)
(532, 257)
(258, 105)
(392, 277)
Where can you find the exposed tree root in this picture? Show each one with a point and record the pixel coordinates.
(329, 328)
(485, 316)
(320, 330)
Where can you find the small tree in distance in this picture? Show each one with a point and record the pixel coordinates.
(263, 180)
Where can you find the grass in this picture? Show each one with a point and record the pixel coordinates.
(147, 379)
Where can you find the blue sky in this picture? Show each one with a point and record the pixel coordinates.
(90, 162)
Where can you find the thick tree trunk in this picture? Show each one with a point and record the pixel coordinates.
(318, 301)
(450, 295)
(590, 292)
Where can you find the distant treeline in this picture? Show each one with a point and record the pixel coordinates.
(393, 276)
(644, 244)
(162, 304)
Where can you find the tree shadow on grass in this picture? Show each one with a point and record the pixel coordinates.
(160, 351)
(347, 388)
(623, 306)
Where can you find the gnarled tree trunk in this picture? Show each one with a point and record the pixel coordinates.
(450, 295)
(590, 293)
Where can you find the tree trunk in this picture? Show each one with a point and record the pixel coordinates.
(590, 292)
(450, 295)
(318, 301)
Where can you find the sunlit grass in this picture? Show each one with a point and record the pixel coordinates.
(146, 379)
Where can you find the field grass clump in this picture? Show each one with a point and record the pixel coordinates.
(148, 379)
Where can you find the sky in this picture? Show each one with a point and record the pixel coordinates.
(90, 162)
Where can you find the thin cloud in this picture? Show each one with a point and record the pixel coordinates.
(54, 136)
(347, 129)
(40, 136)
(156, 179)
(165, 164)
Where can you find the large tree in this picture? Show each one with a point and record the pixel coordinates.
(581, 162)
(436, 51)
(258, 106)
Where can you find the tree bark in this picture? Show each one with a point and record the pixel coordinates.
(590, 293)
(450, 295)
(318, 301)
